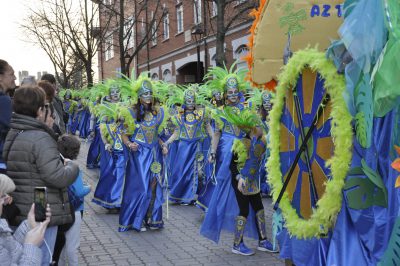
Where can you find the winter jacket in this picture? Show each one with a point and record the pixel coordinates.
(33, 160)
(13, 251)
(5, 116)
(58, 106)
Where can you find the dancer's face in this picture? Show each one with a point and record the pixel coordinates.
(232, 95)
(115, 94)
(146, 97)
(217, 95)
(190, 103)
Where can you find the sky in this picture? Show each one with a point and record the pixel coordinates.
(14, 48)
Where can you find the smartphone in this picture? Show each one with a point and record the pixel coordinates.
(40, 199)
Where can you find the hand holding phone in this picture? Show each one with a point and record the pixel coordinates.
(40, 200)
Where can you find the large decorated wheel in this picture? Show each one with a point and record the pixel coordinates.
(311, 139)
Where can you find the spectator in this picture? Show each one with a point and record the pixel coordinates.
(33, 159)
(69, 146)
(57, 103)
(7, 82)
(53, 121)
(22, 247)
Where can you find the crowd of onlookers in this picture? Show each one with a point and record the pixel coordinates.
(36, 153)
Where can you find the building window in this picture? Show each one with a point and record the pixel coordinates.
(109, 47)
(167, 75)
(214, 9)
(197, 11)
(153, 30)
(129, 40)
(166, 26)
(179, 18)
(240, 52)
(154, 76)
(214, 60)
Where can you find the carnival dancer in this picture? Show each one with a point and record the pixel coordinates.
(143, 194)
(69, 107)
(96, 145)
(215, 97)
(77, 112)
(223, 208)
(246, 161)
(84, 119)
(261, 101)
(188, 172)
(108, 193)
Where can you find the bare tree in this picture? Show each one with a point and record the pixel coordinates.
(39, 26)
(81, 25)
(125, 23)
(229, 13)
(68, 31)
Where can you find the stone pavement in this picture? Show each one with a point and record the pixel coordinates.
(179, 243)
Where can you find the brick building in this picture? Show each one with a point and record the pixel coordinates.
(184, 29)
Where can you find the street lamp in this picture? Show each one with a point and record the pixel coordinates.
(197, 32)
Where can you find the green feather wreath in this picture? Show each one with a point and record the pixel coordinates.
(245, 119)
(241, 150)
(329, 204)
(128, 121)
(73, 107)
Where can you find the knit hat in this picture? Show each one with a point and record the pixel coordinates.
(6, 185)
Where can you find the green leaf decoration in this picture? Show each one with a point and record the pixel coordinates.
(361, 130)
(365, 112)
(277, 225)
(375, 178)
(392, 253)
(362, 193)
(292, 19)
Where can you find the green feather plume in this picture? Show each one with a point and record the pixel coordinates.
(246, 119)
(240, 148)
(128, 121)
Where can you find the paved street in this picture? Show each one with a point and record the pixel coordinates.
(179, 243)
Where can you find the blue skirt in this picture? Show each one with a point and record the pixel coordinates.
(137, 194)
(93, 157)
(206, 186)
(223, 208)
(108, 192)
(84, 124)
(184, 189)
(75, 122)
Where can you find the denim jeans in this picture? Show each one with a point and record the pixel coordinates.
(72, 241)
(47, 250)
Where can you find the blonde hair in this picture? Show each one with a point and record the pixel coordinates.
(6, 185)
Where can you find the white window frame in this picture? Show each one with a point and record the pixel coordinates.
(166, 26)
(179, 18)
(153, 30)
(107, 2)
(167, 73)
(109, 47)
(214, 9)
(197, 13)
(129, 41)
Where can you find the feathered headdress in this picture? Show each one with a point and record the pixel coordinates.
(256, 97)
(220, 79)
